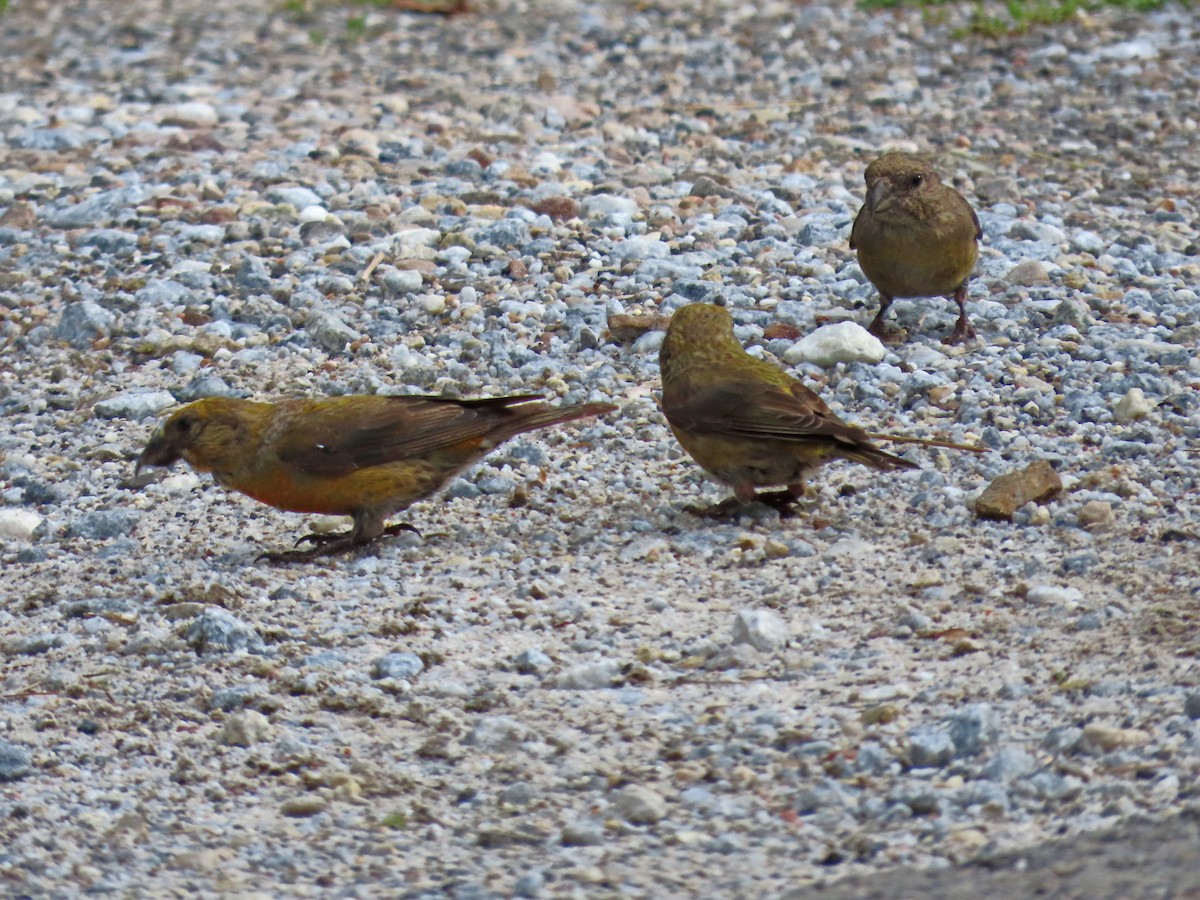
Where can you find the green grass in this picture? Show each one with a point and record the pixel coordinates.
(1020, 15)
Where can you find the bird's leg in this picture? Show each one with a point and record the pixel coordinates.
(781, 501)
(332, 544)
(877, 327)
(784, 502)
(963, 330)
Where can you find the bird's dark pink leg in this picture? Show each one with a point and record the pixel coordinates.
(877, 327)
(331, 544)
(963, 330)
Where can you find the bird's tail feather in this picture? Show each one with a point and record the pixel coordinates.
(927, 442)
(531, 417)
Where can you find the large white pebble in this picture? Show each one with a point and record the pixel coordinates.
(832, 344)
(19, 524)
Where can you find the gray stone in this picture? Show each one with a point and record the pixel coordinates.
(82, 323)
(139, 403)
(640, 805)
(219, 631)
(498, 734)
(398, 665)
(253, 276)
(329, 332)
(929, 748)
(972, 729)
(96, 211)
(15, 761)
(102, 524)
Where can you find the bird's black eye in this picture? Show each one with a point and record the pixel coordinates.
(916, 180)
(184, 424)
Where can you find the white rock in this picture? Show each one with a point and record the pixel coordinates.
(417, 243)
(761, 629)
(1050, 595)
(179, 483)
(434, 304)
(642, 248)
(194, 114)
(598, 206)
(590, 676)
(832, 344)
(315, 213)
(19, 524)
(1133, 405)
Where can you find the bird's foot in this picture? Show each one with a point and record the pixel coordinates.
(963, 332)
(887, 332)
(783, 502)
(330, 544)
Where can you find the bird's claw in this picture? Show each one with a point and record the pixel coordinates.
(400, 528)
(330, 544)
(963, 332)
(783, 502)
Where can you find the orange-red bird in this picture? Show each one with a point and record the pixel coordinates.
(363, 456)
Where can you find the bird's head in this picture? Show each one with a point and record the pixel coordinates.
(896, 175)
(695, 333)
(209, 434)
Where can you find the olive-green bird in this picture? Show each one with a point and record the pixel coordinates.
(915, 237)
(747, 422)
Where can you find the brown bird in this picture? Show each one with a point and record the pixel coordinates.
(915, 237)
(363, 456)
(748, 422)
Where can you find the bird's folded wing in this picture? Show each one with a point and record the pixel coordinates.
(336, 438)
(754, 409)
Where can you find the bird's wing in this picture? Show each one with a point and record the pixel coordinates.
(975, 219)
(751, 408)
(335, 437)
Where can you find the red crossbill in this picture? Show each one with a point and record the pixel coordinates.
(363, 456)
(748, 422)
(915, 237)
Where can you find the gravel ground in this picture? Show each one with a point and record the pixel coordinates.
(568, 686)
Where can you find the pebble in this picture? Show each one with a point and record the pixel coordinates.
(585, 833)
(139, 403)
(1191, 705)
(590, 676)
(82, 323)
(1133, 406)
(929, 748)
(193, 114)
(398, 665)
(498, 734)
(761, 629)
(19, 524)
(15, 761)
(304, 806)
(245, 729)
(1036, 483)
(1096, 515)
(844, 342)
(103, 524)
(1030, 273)
(329, 332)
(1107, 738)
(640, 805)
(217, 630)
